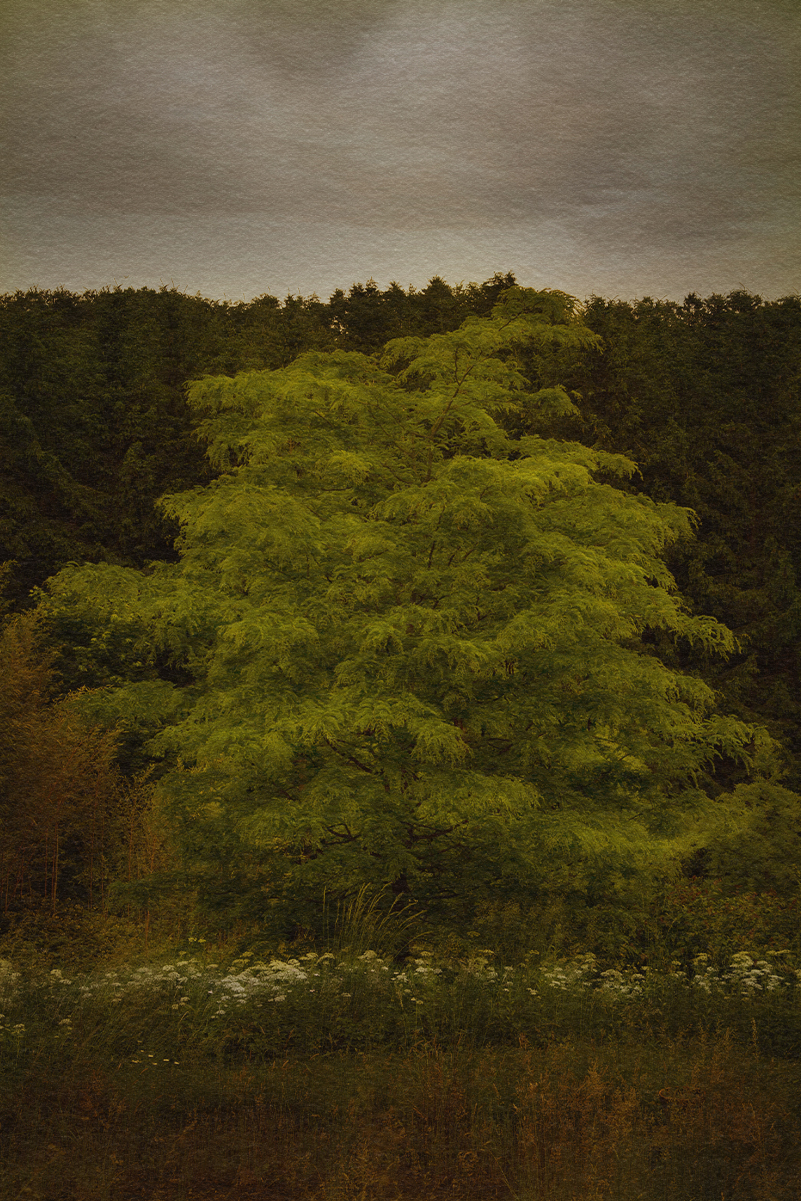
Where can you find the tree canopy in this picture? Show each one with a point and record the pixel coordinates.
(403, 647)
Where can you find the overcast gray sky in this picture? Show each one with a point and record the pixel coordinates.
(242, 147)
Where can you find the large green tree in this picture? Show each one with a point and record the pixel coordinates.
(401, 646)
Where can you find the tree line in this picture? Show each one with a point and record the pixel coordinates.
(700, 399)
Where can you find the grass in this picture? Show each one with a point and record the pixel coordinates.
(208, 1070)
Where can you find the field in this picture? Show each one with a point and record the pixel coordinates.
(220, 1070)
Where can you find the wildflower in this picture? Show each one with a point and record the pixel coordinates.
(235, 986)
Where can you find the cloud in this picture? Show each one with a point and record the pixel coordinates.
(617, 133)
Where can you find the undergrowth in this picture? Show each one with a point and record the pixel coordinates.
(223, 1068)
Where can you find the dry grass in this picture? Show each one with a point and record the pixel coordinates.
(568, 1121)
(345, 1077)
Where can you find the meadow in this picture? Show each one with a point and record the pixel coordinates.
(199, 1069)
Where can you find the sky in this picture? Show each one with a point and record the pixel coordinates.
(236, 148)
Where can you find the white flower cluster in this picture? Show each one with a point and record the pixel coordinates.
(745, 976)
(210, 993)
(271, 980)
(620, 984)
(583, 973)
(569, 976)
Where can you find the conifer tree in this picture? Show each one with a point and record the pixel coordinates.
(401, 647)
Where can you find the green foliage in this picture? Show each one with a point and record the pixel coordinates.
(704, 396)
(94, 424)
(367, 318)
(713, 917)
(758, 846)
(401, 648)
(338, 1076)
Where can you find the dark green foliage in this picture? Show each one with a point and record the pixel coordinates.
(718, 918)
(706, 398)
(702, 396)
(761, 852)
(366, 319)
(94, 425)
(412, 647)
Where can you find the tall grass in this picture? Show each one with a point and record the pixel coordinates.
(338, 1072)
